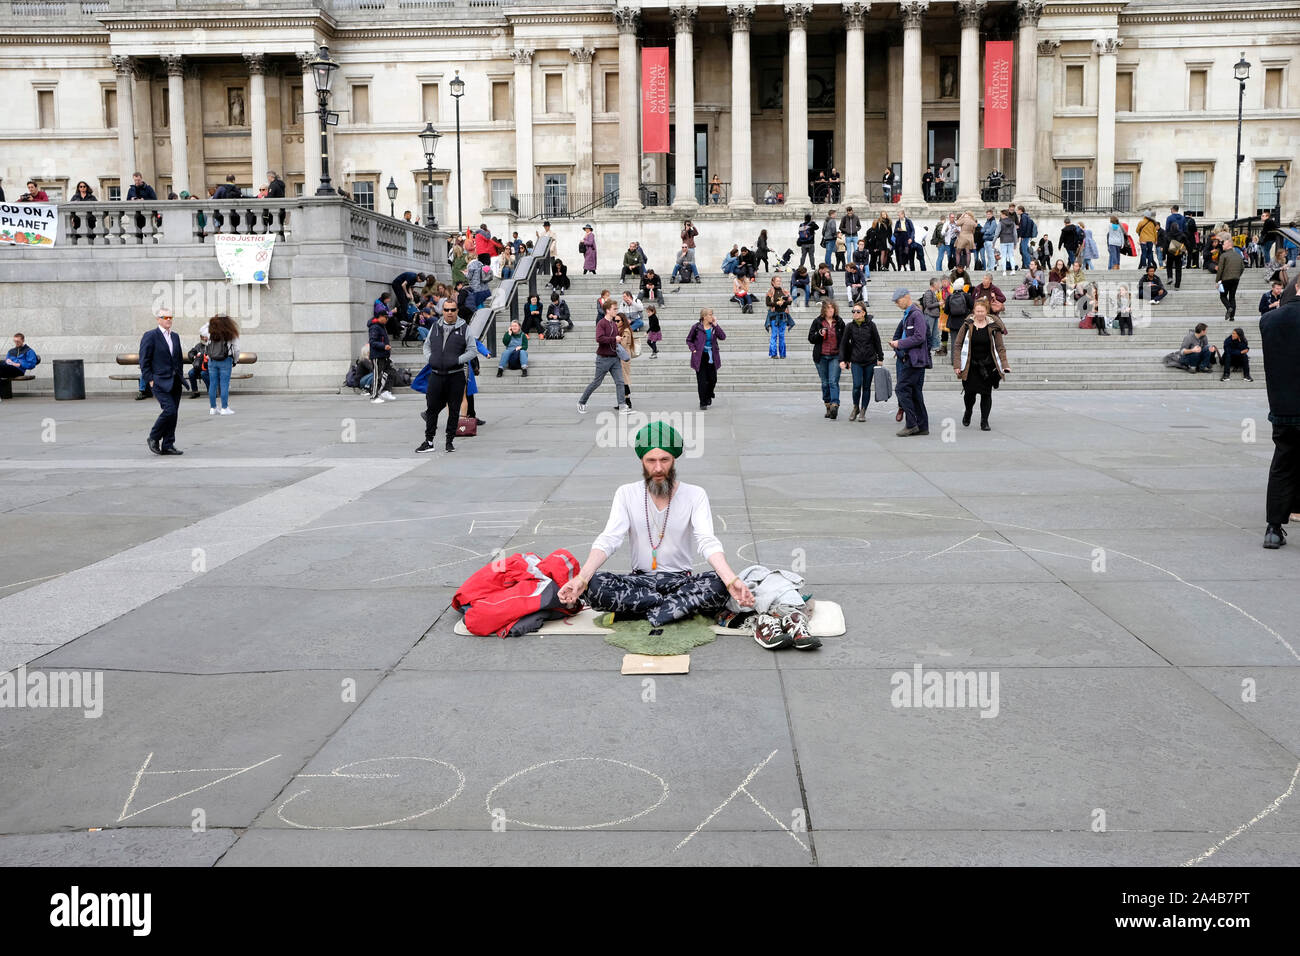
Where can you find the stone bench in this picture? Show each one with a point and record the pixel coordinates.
(6, 385)
(133, 358)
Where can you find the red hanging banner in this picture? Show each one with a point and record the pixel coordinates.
(654, 99)
(998, 70)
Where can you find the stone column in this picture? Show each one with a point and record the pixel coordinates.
(741, 193)
(684, 107)
(524, 177)
(968, 191)
(796, 104)
(1026, 106)
(257, 115)
(310, 128)
(176, 119)
(125, 68)
(912, 12)
(628, 20)
(584, 174)
(1043, 162)
(855, 103)
(1106, 50)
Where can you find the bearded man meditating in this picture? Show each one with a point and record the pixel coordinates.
(664, 517)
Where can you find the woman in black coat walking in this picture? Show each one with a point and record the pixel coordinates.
(760, 252)
(860, 350)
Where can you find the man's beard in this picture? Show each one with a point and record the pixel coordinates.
(657, 488)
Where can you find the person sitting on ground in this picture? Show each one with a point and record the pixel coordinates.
(801, 280)
(1150, 287)
(1271, 299)
(662, 586)
(747, 263)
(534, 315)
(1034, 283)
(862, 259)
(740, 293)
(853, 281)
(632, 308)
(20, 359)
(731, 262)
(1124, 310)
(1196, 354)
(823, 283)
(198, 359)
(559, 276)
(632, 262)
(684, 266)
(515, 341)
(558, 311)
(652, 287)
(1090, 305)
(1236, 355)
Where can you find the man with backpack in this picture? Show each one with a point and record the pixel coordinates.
(557, 317)
(807, 236)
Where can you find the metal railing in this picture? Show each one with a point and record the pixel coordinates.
(559, 205)
(999, 190)
(778, 193)
(1091, 198)
(506, 295)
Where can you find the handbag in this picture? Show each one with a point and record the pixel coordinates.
(467, 427)
(1086, 322)
(884, 387)
(1176, 248)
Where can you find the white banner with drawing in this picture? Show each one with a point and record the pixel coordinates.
(245, 259)
(29, 223)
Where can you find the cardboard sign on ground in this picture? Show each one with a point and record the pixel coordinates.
(643, 664)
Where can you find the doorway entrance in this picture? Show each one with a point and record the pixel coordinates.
(943, 140)
(821, 157)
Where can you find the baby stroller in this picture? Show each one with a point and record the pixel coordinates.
(784, 260)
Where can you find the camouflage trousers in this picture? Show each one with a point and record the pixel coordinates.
(658, 596)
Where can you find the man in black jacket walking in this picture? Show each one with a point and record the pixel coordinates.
(1279, 332)
(447, 350)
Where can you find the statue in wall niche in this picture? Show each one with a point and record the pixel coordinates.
(235, 96)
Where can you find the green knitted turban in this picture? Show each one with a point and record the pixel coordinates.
(659, 435)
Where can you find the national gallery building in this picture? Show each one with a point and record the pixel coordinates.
(1086, 104)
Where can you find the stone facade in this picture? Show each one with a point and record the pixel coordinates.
(1128, 101)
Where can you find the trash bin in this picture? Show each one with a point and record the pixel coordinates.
(69, 380)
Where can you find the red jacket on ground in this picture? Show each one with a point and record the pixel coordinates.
(495, 597)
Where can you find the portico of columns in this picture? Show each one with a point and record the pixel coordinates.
(854, 16)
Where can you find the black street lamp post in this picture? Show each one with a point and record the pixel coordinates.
(1279, 180)
(1242, 73)
(429, 143)
(323, 69)
(391, 189)
(457, 91)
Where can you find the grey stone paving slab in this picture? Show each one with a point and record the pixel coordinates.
(218, 631)
(1275, 692)
(68, 771)
(444, 650)
(1002, 848)
(1149, 746)
(41, 542)
(699, 739)
(845, 559)
(977, 532)
(1189, 625)
(126, 846)
(969, 624)
(516, 847)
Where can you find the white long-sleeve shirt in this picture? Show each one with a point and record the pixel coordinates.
(690, 521)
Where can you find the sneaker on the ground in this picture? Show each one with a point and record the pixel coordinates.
(212, 411)
(768, 633)
(388, 396)
(796, 626)
(582, 409)
(425, 446)
(376, 401)
(227, 411)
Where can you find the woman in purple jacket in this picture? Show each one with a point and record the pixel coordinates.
(588, 243)
(702, 340)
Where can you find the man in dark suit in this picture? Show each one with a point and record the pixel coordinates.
(162, 366)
